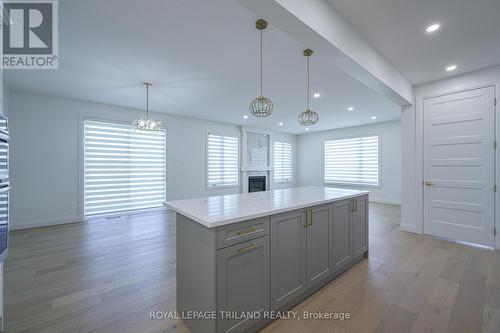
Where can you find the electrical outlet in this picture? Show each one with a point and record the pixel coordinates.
(73, 205)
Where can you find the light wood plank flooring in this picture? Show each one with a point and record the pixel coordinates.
(106, 276)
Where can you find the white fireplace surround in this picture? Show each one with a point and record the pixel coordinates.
(256, 156)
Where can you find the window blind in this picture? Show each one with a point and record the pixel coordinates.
(124, 169)
(222, 160)
(282, 162)
(352, 161)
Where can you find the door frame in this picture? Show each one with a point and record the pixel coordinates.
(419, 152)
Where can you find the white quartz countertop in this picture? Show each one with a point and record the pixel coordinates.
(226, 209)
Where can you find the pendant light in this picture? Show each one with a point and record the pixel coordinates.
(146, 123)
(261, 106)
(308, 117)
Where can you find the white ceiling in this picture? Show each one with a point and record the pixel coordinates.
(202, 58)
(469, 36)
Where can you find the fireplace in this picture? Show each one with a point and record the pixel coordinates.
(256, 183)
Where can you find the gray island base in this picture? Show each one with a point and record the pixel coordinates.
(235, 276)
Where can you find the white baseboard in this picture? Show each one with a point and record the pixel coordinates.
(384, 201)
(408, 228)
(19, 225)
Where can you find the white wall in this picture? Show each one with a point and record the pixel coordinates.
(6, 100)
(409, 187)
(310, 161)
(411, 219)
(45, 155)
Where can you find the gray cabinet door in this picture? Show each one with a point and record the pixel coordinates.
(319, 244)
(341, 233)
(288, 257)
(243, 282)
(360, 226)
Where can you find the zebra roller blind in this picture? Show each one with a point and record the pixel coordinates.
(222, 160)
(124, 169)
(352, 161)
(282, 162)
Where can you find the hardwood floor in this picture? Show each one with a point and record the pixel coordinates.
(106, 276)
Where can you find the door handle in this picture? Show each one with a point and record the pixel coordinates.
(428, 183)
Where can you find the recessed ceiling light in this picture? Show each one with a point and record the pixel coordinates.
(307, 128)
(245, 117)
(432, 28)
(281, 124)
(451, 68)
(374, 117)
(317, 95)
(351, 108)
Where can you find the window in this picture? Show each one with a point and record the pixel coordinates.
(352, 161)
(222, 161)
(124, 169)
(282, 162)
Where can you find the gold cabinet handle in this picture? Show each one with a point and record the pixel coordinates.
(246, 232)
(354, 204)
(428, 183)
(248, 248)
(309, 216)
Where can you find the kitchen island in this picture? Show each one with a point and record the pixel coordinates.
(244, 258)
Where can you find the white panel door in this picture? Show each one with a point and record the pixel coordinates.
(459, 165)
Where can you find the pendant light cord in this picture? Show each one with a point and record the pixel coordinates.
(308, 89)
(261, 63)
(147, 101)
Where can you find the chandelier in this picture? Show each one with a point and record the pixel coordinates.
(261, 106)
(146, 123)
(308, 117)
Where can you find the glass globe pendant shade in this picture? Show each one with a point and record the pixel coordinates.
(308, 118)
(145, 124)
(261, 107)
